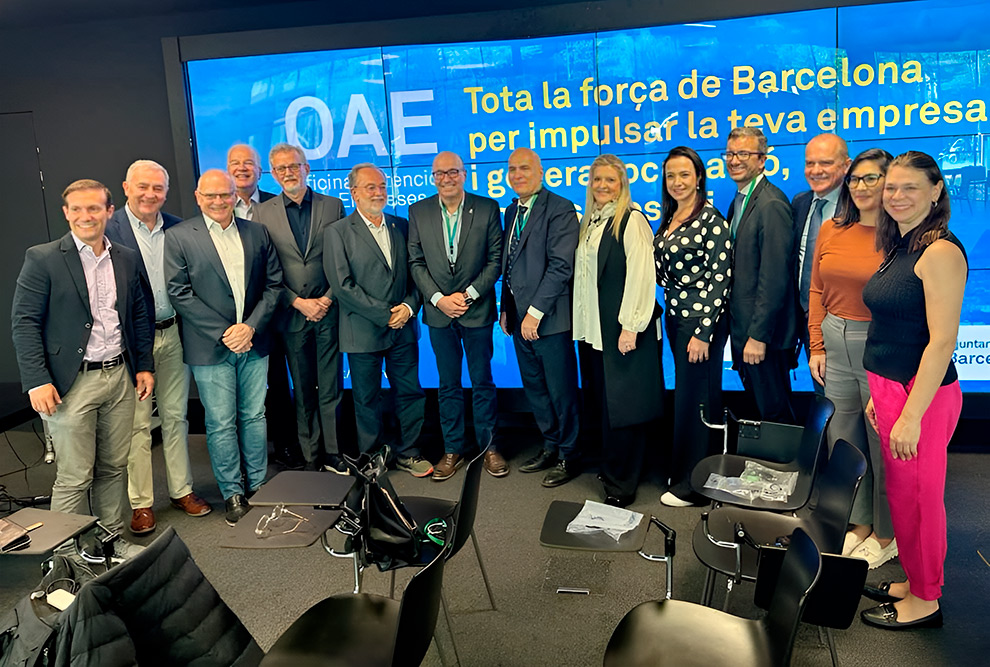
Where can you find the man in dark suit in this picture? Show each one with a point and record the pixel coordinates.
(83, 340)
(761, 308)
(225, 281)
(306, 320)
(244, 166)
(455, 252)
(366, 261)
(826, 159)
(541, 234)
(140, 225)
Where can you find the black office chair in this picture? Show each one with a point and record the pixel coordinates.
(832, 603)
(728, 539)
(811, 456)
(673, 632)
(461, 513)
(364, 629)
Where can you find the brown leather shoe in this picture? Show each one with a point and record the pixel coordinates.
(447, 466)
(192, 505)
(495, 464)
(142, 521)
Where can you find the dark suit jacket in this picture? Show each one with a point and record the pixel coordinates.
(120, 230)
(201, 295)
(479, 257)
(764, 288)
(51, 320)
(364, 285)
(302, 268)
(542, 263)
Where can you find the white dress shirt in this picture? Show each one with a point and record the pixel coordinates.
(231, 251)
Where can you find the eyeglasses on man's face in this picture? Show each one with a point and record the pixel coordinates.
(449, 173)
(294, 167)
(740, 155)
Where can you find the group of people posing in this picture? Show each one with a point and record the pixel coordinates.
(862, 269)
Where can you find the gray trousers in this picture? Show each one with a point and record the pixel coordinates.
(91, 433)
(847, 388)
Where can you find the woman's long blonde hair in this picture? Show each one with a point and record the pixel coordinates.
(624, 200)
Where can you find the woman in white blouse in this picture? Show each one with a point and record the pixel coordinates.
(615, 314)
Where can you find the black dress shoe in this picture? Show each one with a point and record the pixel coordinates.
(562, 473)
(287, 457)
(880, 593)
(885, 616)
(333, 463)
(236, 506)
(619, 501)
(542, 461)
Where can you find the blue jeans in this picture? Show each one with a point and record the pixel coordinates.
(450, 345)
(233, 396)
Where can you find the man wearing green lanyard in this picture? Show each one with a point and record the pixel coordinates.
(455, 255)
(541, 234)
(762, 304)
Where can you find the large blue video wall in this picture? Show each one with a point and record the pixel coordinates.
(899, 76)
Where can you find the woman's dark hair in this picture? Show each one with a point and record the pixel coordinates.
(935, 226)
(668, 205)
(846, 211)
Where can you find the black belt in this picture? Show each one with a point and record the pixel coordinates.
(165, 324)
(103, 365)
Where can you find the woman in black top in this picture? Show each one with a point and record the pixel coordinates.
(693, 255)
(915, 299)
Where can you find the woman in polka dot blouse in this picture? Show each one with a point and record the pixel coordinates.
(693, 253)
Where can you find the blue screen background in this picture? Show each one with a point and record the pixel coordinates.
(398, 106)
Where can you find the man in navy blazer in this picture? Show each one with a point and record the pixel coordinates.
(826, 159)
(83, 341)
(541, 235)
(225, 280)
(455, 251)
(762, 327)
(140, 225)
(366, 262)
(244, 166)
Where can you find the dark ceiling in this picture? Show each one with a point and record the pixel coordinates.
(33, 13)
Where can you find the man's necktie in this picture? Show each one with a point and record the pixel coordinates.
(737, 212)
(809, 250)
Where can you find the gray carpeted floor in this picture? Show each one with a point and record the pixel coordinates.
(532, 624)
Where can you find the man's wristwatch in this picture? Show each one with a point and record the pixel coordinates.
(468, 299)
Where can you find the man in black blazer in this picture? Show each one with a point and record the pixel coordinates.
(541, 234)
(826, 160)
(306, 320)
(140, 225)
(83, 340)
(366, 262)
(244, 166)
(455, 252)
(225, 281)
(761, 307)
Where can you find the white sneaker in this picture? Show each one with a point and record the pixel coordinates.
(670, 500)
(851, 542)
(874, 554)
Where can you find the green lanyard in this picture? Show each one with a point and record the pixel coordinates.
(522, 219)
(451, 230)
(749, 193)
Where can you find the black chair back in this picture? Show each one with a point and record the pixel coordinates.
(814, 450)
(418, 612)
(831, 503)
(798, 574)
(467, 505)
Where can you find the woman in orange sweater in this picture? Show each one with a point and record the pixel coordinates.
(845, 259)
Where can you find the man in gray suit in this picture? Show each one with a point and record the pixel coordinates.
(307, 317)
(366, 261)
(225, 281)
(455, 253)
